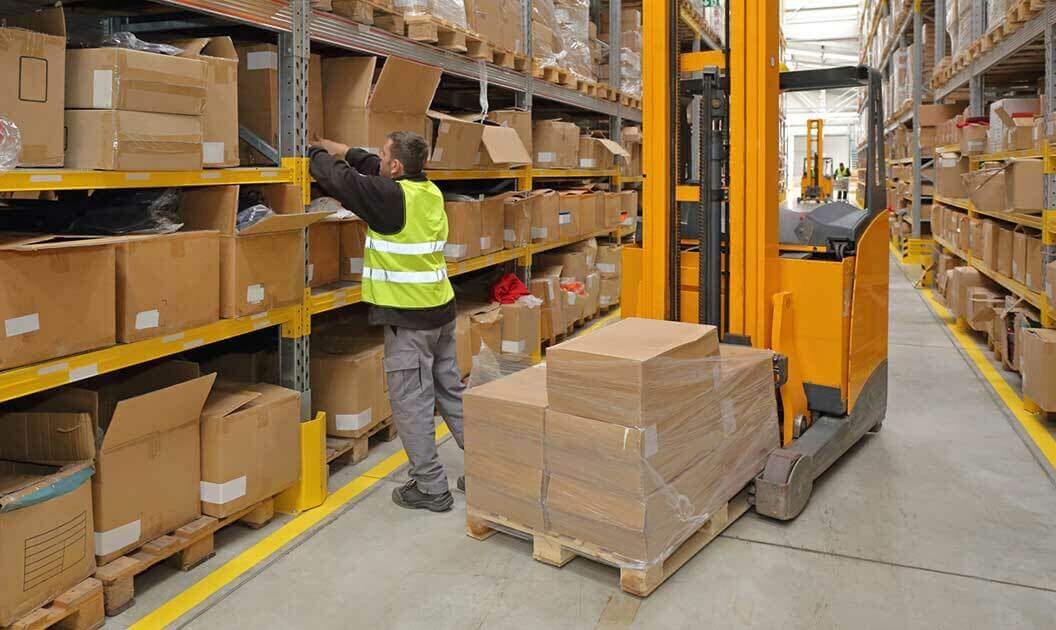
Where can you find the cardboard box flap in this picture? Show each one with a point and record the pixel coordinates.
(637, 339)
(227, 398)
(47, 21)
(356, 75)
(192, 48)
(37, 242)
(47, 437)
(284, 222)
(157, 411)
(405, 86)
(614, 148)
(504, 146)
(219, 47)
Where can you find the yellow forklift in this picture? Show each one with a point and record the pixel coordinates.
(816, 184)
(812, 286)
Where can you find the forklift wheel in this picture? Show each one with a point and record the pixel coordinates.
(877, 427)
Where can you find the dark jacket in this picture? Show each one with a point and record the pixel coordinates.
(379, 201)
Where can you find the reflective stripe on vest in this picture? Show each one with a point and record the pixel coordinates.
(407, 270)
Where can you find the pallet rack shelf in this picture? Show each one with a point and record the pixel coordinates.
(41, 179)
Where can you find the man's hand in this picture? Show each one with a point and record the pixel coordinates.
(335, 149)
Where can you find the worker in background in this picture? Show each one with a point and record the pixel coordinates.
(405, 282)
(843, 181)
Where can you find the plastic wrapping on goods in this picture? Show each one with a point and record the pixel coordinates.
(10, 144)
(543, 13)
(995, 13)
(452, 11)
(573, 20)
(631, 72)
(547, 42)
(633, 493)
(125, 39)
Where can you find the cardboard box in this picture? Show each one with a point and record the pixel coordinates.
(963, 280)
(500, 147)
(569, 215)
(358, 116)
(1005, 251)
(463, 229)
(1005, 115)
(610, 260)
(46, 517)
(980, 308)
(148, 468)
(251, 440)
(261, 267)
(975, 243)
(36, 431)
(974, 137)
(135, 81)
(456, 142)
(933, 115)
(555, 144)
(546, 216)
(610, 292)
(572, 306)
(989, 247)
(521, 328)
(347, 379)
(1050, 282)
(258, 97)
(949, 181)
(574, 267)
(486, 328)
(504, 418)
(1024, 190)
(600, 153)
(506, 488)
(1019, 256)
(517, 221)
(1034, 265)
(1038, 365)
(547, 287)
(629, 208)
(613, 210)
(464, 351)
(167, 283)
(353, 240)
(115, 140)
(624, 373)
(492, 223)
(324, 253)
(32, 65)
(220, 116)
(518, 120)
(986, 188)
(58, 297)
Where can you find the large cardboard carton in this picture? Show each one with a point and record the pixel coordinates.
(1005, 247)
(1024, 191)
(521, 327)
(46, 518)
(133, 80)
(348, 384)
(258, 96)
(506, 488)
(220, 116)
(262, 266)
(570, 213)
(167, 283)
(610, 260)
(610, 292)
(486, 328)
(989, 253)
(35, 430)
(629, 208)
(933, 115)
(117, 140)
(1004, 115)
(574, 265)
(353, 245)
(1038, 366)
(463, 229)
(517, 221)
(986, 188)
(250, 445)
(456, 142)
(613, 210)
(555, 144)
(518, 120)
(949, 181)
(600, 153)
(546, 285)
(58, 297)
(546, 216)
(980, 308)
(625, 373)
(501, 147)
(492, 223)
(360, 117)
(32, 66)
(963, 280)
(324, 253)
(1019, 256)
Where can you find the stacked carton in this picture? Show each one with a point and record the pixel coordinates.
(348, 380)
(258, 97)
(628, 440)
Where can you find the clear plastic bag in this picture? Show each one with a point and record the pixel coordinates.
(122, 212)
(573, 19)
(251, 216)
(10, 144)
(452, 11)
(547, 42)
(124, 39)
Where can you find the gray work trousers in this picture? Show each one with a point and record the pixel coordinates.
(423, 375)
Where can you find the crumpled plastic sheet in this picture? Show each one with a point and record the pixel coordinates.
(124, 39)
(452, 11)
(10, 144)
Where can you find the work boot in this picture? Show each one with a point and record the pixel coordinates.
(461, 483)
(410, 497)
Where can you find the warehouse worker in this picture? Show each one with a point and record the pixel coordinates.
(843, 175)
(405, 282)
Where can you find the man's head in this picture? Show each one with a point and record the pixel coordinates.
(404, 153)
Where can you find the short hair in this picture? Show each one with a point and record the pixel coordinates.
(410, 149)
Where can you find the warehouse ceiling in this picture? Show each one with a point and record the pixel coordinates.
(821, 34)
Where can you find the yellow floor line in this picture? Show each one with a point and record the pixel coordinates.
(198, 592)
(1033, 426)
(601, 322)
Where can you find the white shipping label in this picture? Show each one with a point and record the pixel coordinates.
(607, 267)
(570, 297)
(729, 417)
(355, 265)
(147, 319)
(221, 493)
(513, 347)
(255, 293)
(311, 272)
(103, 89)
(454, 251)
(22, 325)
(546, 157)
(212, 152)
(629, 221)
(262, 60)
(587, 163)
(438, 154)
(564, 218)
(948, 162)
(539, 232)
(509, 235)
(485, 242)
(605, 300)
(353, 421)
(117, 538)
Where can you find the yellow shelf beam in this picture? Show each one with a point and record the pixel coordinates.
(1004, 155)
(948, 148)
(950, 201)
(39, 179)
(35, 378)
(553, 173)
(445, 175)
(1026, 220)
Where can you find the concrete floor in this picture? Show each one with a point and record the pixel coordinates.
(943, 520)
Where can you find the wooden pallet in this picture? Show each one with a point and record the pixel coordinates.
(549, 74)
(557, 550)
(186, 548)
(353, 450)
(80, 608)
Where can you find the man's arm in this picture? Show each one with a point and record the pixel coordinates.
(377, 200)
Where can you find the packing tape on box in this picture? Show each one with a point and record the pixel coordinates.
(355, 265)
(102, 89)
(485, 242)
(540, 232)
(262, 60)
(255, 293)
(509, 236)
(221, 493)
(117, 538)
(513, 347)
(212, 152)
(452, 250)
(353, 421)
(607, 267)
(22, 325)
(147, 319)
